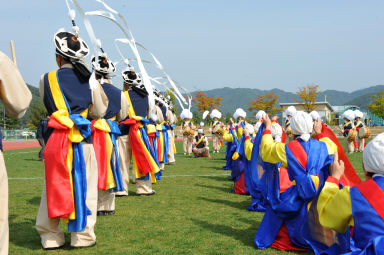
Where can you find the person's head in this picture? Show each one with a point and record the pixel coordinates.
(102, 66)
(302, 125)
(69, 46)
(131, 78)
(373, 160)
(290, 111)
(348, 115)
(60, 60)
(259, 115)
(200, 132)
(215, 114)
(250, 128)
(186, 115)
(358, 115)
(239, 114)
(315, 115)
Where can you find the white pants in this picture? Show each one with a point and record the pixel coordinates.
(171, 152)
(4, 229)
(216, 142)
(187, 144)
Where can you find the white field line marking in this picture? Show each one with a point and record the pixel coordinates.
(26, 178)
(178, 175)
(17, 153)
(194, 175)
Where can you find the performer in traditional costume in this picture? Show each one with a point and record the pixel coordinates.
(253, 168)
(201, 144)
(289, 113)
(134, 139)
(105, 132)
(16, 98)
(349, 130)
(307, 161)
(359, 125)
(231, 137)
(216, 128)
(170, 124)
(187, 130)
(71, 175)
(236, 158)
(360, 207)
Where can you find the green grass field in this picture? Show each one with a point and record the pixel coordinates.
(193, 212)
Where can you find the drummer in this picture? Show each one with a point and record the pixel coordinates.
(201, 144)
(360, 128)
(289, 113)
(348, 127)
(216, 127)
(187, 129)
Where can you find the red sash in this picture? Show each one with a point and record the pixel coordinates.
(98, 140)
(374, 195)
(143, 163)
(57, 178)
(350, 177)
(299, 153)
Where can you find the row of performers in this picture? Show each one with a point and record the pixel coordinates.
(311, 195)
(95, 132)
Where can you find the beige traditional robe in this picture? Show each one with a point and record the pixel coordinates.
(16, 97)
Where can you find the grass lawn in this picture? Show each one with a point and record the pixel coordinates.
(193, 212)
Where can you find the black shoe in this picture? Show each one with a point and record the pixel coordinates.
(105, 213)
(121, 195)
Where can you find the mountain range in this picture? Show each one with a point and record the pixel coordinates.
(240, 97)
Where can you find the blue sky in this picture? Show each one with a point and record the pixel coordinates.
(206, 44)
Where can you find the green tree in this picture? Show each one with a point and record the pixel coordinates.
(377, 106)
(205, 103)
(266, 103)
(37, 112)
(307, 95)
(6, 122)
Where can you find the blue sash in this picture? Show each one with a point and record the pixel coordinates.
(115, 164)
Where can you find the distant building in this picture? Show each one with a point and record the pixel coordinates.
(324, 109)
(369, 118)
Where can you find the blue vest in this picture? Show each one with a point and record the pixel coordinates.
(78, 94)
(140, 104)
(114, 98)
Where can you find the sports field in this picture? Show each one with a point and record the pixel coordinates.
(192, 213)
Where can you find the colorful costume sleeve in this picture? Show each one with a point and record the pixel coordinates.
(334, 206)
(272, 152)
(239, 132)
(227, 137)
(248, 147)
